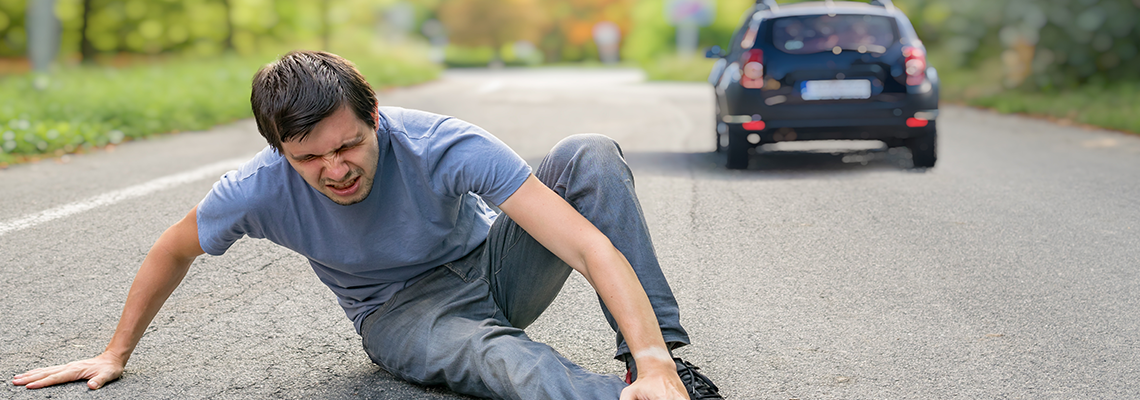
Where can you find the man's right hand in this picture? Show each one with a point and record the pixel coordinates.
(97, 371)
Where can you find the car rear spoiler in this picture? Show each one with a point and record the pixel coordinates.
(830, 3)
(767, 5)
(771, 4)
(884, 3)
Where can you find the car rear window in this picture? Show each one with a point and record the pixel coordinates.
(818, 33)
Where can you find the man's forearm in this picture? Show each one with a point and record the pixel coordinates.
(155, 281)
(161, 272)
(625, 298)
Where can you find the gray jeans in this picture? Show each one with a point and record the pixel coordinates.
(462, 325)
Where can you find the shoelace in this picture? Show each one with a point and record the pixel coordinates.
(700, 386)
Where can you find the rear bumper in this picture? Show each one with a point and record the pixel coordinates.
(842, 131)
(884, 117)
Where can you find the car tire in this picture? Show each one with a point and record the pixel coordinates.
(737, 151)
(718, 126)
(924, 147)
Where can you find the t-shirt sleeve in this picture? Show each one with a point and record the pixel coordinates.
(465, 158)
(222, 216)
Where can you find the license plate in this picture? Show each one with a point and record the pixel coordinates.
(836, 89)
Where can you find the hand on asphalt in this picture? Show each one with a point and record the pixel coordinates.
(97, 371)
(664, 386)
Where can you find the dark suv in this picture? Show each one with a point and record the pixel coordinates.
(824, 71)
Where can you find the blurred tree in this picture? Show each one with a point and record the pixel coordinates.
(1041, 44)
(13, 37)
(86, 49)
(228, 42)
(652, 36)
(570, 36)
(94, 29)
(492, 23)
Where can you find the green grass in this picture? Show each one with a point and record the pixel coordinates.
(1112, 106)
(694, 68)
(79, 108)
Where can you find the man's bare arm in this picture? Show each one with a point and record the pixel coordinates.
(162, 270)
(566, 233)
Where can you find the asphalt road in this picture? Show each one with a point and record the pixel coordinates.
(829, 271)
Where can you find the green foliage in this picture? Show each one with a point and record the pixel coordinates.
(1041, 43)
(673, 67)
(81, 107)
(199, 27)
(12, 33)
(652, 36)
(394, 66)
(1114, 107)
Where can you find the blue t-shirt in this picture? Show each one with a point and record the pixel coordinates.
(426, 207)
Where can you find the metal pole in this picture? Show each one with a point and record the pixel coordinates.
(43, 34)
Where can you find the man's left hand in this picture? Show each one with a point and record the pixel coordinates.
(658, 382)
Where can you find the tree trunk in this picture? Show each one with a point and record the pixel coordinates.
(229, 41)
(86, 49)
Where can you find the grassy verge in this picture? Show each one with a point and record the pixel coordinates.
(1113, 106)
(78, 108)
(694, 68)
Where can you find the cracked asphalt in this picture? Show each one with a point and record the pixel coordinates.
(825, 271)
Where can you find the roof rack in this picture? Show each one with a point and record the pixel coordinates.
(768, 5)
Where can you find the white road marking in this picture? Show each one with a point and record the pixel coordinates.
(490, 87)
(142, 189)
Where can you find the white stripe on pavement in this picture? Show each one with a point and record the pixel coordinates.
(212, 170)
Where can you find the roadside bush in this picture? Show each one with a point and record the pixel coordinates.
(1042, 44)
(81, 107)
(673, 67)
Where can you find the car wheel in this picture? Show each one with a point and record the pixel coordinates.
(719, 128)
(737, 151)
(924, 147)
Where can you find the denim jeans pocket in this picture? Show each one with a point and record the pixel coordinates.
(466, 270)
(469, 267)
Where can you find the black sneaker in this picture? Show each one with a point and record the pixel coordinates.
(697, 384)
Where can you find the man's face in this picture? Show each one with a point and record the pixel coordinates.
(338, 158)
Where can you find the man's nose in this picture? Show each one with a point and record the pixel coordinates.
(335, 167)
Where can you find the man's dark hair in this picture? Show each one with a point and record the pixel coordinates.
(291, 95)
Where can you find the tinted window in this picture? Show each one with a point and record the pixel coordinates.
(818, 33)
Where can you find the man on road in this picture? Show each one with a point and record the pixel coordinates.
(391, 207)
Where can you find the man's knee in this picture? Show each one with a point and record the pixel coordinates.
(584, 155)
(589, 146)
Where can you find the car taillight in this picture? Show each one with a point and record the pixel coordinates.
(915, 65)
(753, 69)
(916, 122)
(753, 125)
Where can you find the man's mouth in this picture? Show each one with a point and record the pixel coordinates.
(346, 188)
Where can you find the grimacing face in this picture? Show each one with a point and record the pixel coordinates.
(338, 158)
